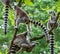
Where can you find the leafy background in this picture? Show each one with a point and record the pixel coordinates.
(38, 11)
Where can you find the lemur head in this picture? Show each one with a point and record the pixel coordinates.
(52, 12)
(15, 4)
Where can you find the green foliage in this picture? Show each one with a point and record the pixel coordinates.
(37, 10)
(28, 2)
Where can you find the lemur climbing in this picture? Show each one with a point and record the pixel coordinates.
(20, 43)
(22, 17)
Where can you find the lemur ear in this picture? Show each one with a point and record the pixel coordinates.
(15, 3)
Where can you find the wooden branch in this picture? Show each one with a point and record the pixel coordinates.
(20, 3)
(37, 38)
(15, 32)
(40, 37)
(57, 16)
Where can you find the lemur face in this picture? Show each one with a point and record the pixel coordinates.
(15, 4)
(51, 12)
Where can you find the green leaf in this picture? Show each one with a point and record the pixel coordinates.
(0, 52)
(17, 0)
(28, 2)
(11, 17)
(53, 7)
(58, 6)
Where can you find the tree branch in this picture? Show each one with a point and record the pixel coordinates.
(57, 16)
(40, 37)
(20, 2)
(37, 38)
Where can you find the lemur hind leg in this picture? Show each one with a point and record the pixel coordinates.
(29, 30)
(17, 21)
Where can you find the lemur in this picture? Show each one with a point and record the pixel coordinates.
(20, 43)
(22, 17)
(52, 24)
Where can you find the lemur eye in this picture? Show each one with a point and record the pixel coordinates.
(50, 12)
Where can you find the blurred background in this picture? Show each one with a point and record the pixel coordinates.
(37, 10)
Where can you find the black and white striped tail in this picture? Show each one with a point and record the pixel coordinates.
(13, 49)
(6, 18)
(43, 27)
(51, 44)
